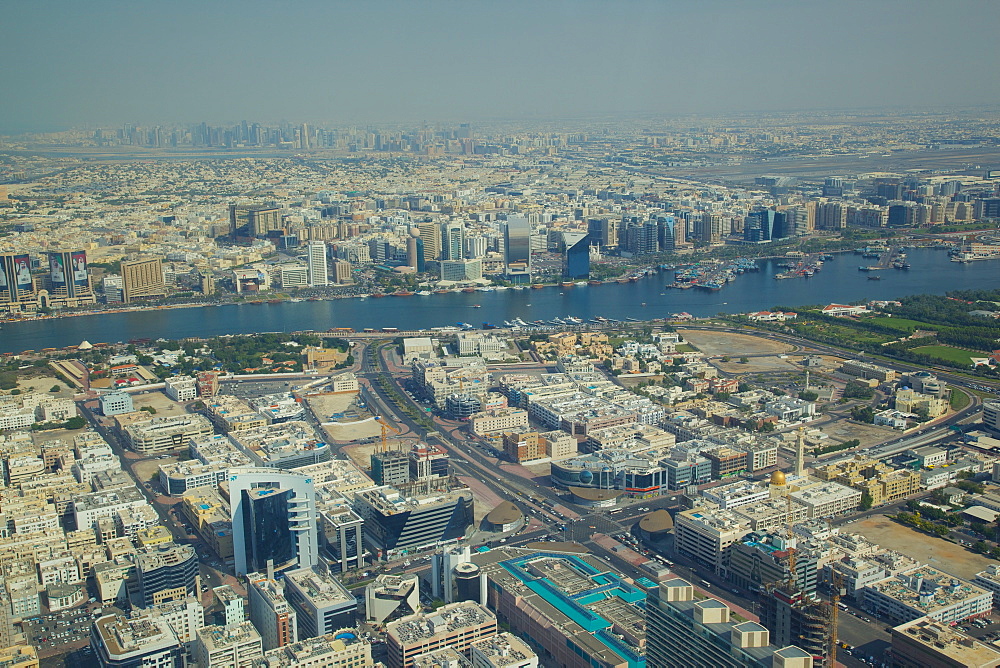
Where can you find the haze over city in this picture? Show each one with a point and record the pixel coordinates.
(109, 62)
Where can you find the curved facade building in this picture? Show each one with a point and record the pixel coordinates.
(274, 519)
(618, 469)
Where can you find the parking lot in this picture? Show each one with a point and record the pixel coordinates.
(61, 628)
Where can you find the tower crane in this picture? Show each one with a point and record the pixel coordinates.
(385, 430)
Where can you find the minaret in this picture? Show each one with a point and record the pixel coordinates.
(800, 454)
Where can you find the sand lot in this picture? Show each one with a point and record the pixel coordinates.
(148, 469)
(941, 554)
(164, 405)
(354, 426)
(725, 343)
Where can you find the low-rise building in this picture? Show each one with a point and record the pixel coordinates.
(927, 643)
(926, 591)
(456, 625)
(234, 646)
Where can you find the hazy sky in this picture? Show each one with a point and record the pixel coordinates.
(75, 62)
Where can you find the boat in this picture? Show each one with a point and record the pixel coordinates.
(441, 292)
(403, 293)
(424, 293)
(874, 278)
(537, 286)
(468, 289)
(567, 284)
(593, 282)
(377, 295)
(476, 306)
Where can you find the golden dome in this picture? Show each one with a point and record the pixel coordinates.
(778, 478)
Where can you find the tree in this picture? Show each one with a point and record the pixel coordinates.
(863, 414)
(857, 390)
(744, 360)
(75, 422)
(866, 501)
(808, 395)
(54, 388)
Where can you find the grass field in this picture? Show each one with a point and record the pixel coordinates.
(959, 399)
(946, 353)
(901, 324)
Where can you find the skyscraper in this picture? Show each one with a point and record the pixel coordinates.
(576, 261)
(764, 225)
(274, 519)
(318, 276)
(517, 240)
(430, 234)
(451, 238)
(669, 232)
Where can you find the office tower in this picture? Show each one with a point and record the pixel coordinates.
(317, 263)
(669, 232)
(451, 241)
(343, 538)
(274, 519)
(17, 288)
(271, 613)
(761, 558)
(207, 283)
(167, 572)
(640, 237)
(604, 232)
(576, 259)
(395, 522)
(262, 221)
(475, 247)
(428, 461)
(247, 221)
(305, 141)
(143, 279)
(391, 467)
(764, 225)
(792, 617)
(517, 241)
(392, 596)
(69, 280)
(430, 234)
(682, 631)
(443, 564)
(341, 272)
(413, 255)
(831, 216)
(119, 642)
(321, 603)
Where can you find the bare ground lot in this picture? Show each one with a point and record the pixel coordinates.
(148, 469)
(354, 426)
(161, 403)
(726, 343)
(941, 554)
(845, 430)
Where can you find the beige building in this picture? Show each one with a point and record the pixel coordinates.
(498, 420)
(143, 279)
(456, 625)
(925, 643)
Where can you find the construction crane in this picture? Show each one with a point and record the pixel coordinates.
(838, 591)
(385, 430)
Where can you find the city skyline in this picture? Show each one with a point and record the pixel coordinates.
(431, 62)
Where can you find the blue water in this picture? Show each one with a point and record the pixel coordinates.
(839, 281)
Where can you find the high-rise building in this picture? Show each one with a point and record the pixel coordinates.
(760, 558)
(443, 564)
(228, 646)
(451, 241)
(69, 281)
(395, 522)
(603, 231)
(430, 234)
(247, 221)
(271, 613)
(684, 631)
(517, 241)
(17, 288)
(341, 533)
(640, 237)
(317, 263)
(669, 232)
(576, 260)
(143, 279)
(764, 225)
(461, 270)
(341, 272)
(274, 519)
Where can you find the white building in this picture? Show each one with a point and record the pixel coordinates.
(181, 388)
(318, 276)
(927, 591)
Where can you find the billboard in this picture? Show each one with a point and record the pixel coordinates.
(57, 270)
(22, 273)
(79, 268)
(4, 285)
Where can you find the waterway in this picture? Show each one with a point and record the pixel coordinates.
(838, 282)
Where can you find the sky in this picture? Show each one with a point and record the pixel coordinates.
(68, 63)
